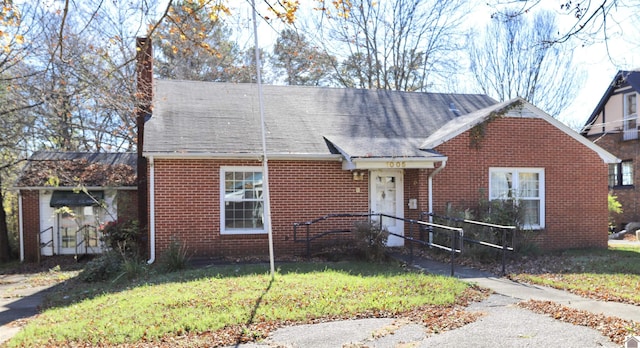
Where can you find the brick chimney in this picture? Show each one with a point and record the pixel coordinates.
(144, 97)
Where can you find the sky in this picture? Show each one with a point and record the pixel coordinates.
(599, 59)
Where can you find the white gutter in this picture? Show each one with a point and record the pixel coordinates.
(257, 157)
(430, 181)
(20, 227)
(152, 212)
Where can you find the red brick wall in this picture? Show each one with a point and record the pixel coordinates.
(30, 224)
(628, 196)
(575, 177)
(187, 204)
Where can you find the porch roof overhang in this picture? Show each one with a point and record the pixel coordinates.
(383, 153)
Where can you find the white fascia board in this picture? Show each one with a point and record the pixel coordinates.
(392, 163)
(254, 156)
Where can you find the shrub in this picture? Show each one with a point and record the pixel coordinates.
(104, 267)
(500, 212)
(121, 236)
(175, 257)
(370, 240)
(132, 268)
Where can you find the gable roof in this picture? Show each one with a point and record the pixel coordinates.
(223, 119)
(516, 107)
(70, 169)
(623, 78)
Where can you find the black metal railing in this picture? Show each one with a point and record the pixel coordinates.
(425, 233)
(44, 245)
(414, 235)
(307, 236)
(506, 234)
(455, 236)
(86, 236)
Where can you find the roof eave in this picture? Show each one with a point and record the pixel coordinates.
(253, 156)
(361, 163)
(605, 97)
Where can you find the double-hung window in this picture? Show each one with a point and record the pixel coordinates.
(242, 202)
(521, 186)
(621, 174)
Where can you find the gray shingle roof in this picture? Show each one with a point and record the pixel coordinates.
(224, 118)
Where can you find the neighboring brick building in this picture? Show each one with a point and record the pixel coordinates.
(53, 180)
(613, 125)
(333, 151)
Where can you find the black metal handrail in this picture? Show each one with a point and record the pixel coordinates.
(456, 233)
(84, 233)
(307, 224)
(44, 245)
(503, 228)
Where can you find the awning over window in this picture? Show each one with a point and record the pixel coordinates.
(75, 199)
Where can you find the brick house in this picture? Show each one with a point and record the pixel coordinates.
(333, 150)
(613, 125)
(65, 196)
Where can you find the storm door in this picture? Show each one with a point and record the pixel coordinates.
(387, 196)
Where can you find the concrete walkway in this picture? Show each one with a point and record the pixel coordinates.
(18, 300)
(523, 292)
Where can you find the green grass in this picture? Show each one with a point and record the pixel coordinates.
(207, 300)
(610, 274)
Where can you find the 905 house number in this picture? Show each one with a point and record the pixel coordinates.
(398, 164)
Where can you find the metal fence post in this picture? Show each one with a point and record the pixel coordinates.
(453, 251)
(504, 250)
(411, 243)
(308, 244)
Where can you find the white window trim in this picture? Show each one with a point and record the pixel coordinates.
(516, 171)
(625, 113)
(223, 230)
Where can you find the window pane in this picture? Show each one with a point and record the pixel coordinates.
(613, 175)
(244, 215)
(529, 185)
(501, 185)
(631, 104)
(627, 173)
(530, 210)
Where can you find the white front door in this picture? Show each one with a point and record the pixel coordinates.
(387, 192)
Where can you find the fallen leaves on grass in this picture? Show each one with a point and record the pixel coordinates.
(436, 319)
(615, 328)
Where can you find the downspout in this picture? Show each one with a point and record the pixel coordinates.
(152, 211)
(430, 181)
(20, 227)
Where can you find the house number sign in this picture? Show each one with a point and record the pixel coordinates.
(397, 164)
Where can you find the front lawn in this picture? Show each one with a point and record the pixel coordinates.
(228, 304)
(606, 274)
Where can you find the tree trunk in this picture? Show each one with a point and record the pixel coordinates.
(5, 248)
